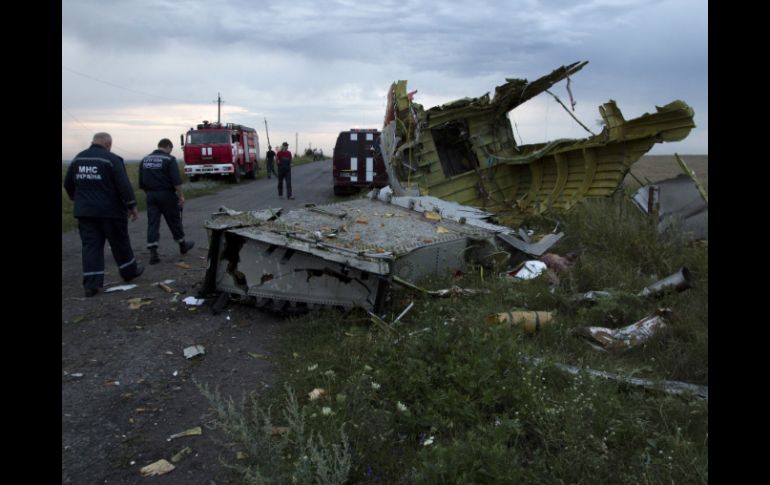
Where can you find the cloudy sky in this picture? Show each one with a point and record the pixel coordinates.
(148, 69)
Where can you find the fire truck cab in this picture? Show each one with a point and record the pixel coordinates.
(357, 161)
(225, 150)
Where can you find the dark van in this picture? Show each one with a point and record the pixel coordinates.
(357, 161)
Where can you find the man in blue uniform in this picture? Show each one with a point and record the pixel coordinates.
(97, 182)
(159, 178)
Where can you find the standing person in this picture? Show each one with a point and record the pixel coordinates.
(269, 159)
(97, 182)
(159, 178)
(284, 170)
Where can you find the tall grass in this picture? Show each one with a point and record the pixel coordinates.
(446, 398)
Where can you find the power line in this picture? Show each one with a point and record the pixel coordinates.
(125, 88)
(73, 117)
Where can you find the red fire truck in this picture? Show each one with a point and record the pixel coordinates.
(357, 161)
(215, 149)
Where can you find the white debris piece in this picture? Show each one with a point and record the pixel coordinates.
(530, 270)
(120, 288)
(191, 300)
(194, 350)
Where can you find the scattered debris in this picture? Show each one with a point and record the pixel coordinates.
(183, 265)
(259, 356)
(193, 351)
(192, 301)
(120, 288)
(160, 467)
(136, 303)
(529, 321)
(453, 291)
(165, 286)
(676, 201)
(181, 454)
(196, 431)
(316, 393)
(279, 430)
(528, 270)
(76, 374)
(680, 281)
(669, 387)
(535, 249)
(409, 307)
(560, 264)
(624, 338)
(592, 296)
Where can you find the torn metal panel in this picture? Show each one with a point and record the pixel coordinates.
(535, 249)
(346, 254)
(678, 201)
(623, 338)
(465, 151)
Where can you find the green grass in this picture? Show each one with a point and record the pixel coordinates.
(446, 398)
(191, 189)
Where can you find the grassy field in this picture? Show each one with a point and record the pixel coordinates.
(443, 397)
(190, 189)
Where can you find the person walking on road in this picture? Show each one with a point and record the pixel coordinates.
(97, 182)
(159, 178)
(269, 157)
(284, 170)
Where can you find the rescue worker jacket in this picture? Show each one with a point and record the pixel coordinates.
(159, 172)
(97, 182)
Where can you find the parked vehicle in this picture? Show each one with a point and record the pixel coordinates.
(223, 150)
(357, 161)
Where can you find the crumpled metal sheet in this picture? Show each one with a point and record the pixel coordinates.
(679, 202)
(465, 151)
(626, 337)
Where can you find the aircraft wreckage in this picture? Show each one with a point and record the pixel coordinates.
(455, 172)
(348, 254)
(465, 151)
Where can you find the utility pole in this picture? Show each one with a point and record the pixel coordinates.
(267, 133)
(296, 143)
(219, 108)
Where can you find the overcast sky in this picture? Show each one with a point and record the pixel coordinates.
(148, 69)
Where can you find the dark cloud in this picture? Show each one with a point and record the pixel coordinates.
(276, 56)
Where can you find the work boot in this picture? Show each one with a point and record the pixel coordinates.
(185, 246)
(139, 271)
(154, 258)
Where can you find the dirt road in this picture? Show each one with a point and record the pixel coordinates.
(126, 385)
